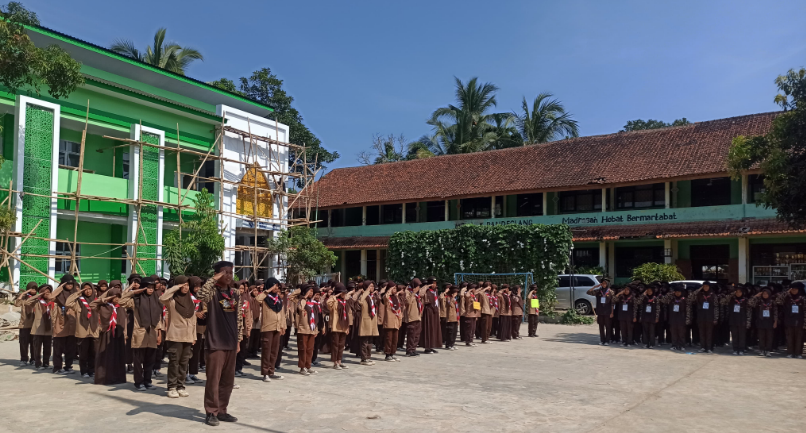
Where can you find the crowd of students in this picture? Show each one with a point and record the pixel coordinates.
(216, 325)
(709, 316)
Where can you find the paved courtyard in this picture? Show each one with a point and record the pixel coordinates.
(560, 382)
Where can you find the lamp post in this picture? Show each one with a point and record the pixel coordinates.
(572, 297)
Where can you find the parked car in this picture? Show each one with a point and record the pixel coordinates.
(690, 284)
(582, 302)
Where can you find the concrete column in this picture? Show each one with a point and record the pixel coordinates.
(545, 203)
(744, 188)
(447, 209)
(668, 194)
(611, 260)
(603, 255)
(604, 199)
(667, 245)
(404, 213)
(364, 216)
(363, 262)
(744, 252)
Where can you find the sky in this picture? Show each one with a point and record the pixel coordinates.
(360, 68)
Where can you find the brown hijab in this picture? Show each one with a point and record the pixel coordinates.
(148, 307)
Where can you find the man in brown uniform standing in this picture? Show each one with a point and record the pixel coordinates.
(223, 334)
(414, 314)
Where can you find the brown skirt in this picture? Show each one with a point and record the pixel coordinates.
(110, 365)
(431, 336)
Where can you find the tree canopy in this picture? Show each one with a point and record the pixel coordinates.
(304, 255)
(166, 55)
(640, 125)
(198, 244)
(547, 121)
(24, 64)
(781, 153)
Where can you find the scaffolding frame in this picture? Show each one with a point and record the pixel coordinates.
(298, 171)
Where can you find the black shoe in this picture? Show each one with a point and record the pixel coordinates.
(247, 363)
(225, 417)
(212, 420)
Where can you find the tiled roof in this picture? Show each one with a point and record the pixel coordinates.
(694, 150)
(616, 232)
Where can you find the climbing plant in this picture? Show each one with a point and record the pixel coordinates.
(540, 249)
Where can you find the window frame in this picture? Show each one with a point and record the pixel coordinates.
(657, 189)
(63, 250)
(65, 154)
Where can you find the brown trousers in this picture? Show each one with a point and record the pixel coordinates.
(794, 340)
(269, 348)
(178, 359)
(337, 341)
(486, 326)
(220, 379)
(366, 348)
(469, 327)
(305, 344)
(678, 336)
(765, 339)
(516, 326)
(196, 355)
(534, 320)
(390, 341)
(26, 344)
(413, 336)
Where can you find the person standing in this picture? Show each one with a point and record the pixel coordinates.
(307, 326)
(604, 310)
(487, 310)
(41, 329)
(86, 327)
(707, 303)
(64, 327)
(431, 334)
(792, 303)
(452, 317)
(341, 315)
(533, 312)
(146, 335)
(197, 353)
(223, 335)
(257, 309)
(110, 363)
(180, 335)
(739, 317)
(272, 328)
(766, 319)
(517, 312)
(469, 313)
(648, 303)
(245, 316)
(626, 315)
(679, 314)
(505, 314)
(414, 315)
(368, 325)
(26, 323)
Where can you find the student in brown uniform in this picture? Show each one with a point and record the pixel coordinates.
(505, 314)
(26, 322)
(678, 308)
(706, 302)
(180, 334)
(368, 328)
(604, 309)
(793, 304)
(257, 309)
(414, 315)
(272, 328)
(110, 364)
(533, 314)
(86, 327)
(487, 311)
(341, 315)
(766, 318)
(64, 327)
(222, 336)
(146, 335)
(626, 315)
(307, 313)
(648, 306)
(133, 283)
(740, 316)
(197, 352)
(41, 328)
(404, 325)
(517, 311)
(450, 306)
(245, 315)
(392, 320)
(431, 334)
(470, 314)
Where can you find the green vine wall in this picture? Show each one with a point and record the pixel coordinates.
(540, 249)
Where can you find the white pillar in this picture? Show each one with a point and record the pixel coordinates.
(744, 250)
(604, 199)
(668, 194)
(603, 255)
(363, 215)
(363, 262)
(545, 203)
(404, 213)
(744, 189)
(611, 260)
(447, 206)
(667, 246)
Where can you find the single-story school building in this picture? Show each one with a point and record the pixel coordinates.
(660, 195)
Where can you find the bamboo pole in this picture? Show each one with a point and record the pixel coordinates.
(73, 263)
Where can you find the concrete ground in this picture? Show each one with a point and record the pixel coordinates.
(560, 382)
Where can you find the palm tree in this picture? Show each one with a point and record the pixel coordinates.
(425, 147)
(466, 127)
(547, 121)
(163, 55)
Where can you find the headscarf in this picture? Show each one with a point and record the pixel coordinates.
(147, 306)
(183, 303)
(61, 299)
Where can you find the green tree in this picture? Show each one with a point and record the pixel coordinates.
(303, 254)
(547, 120)
(384, 149)
(781, 153)
(24, 64)
(640, 125)
(425, 147)
(166, 55)
(649, 272)
(264, 87)
(197, 244)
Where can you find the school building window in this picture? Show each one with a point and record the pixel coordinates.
(710, 192)
(353, 216)
(63, 265)
(755, 188)
(392, 213)
(529, 204)
(372, 263)
(352, 264)
(628, 258)
(207, 171)
(337, 218)
(322, 215)
(69, 153)
(586, 257)
(641, 196)
(478, 207)
(125, 165)
(589, 200)
(373, 215)
(710, 262)
(435, 211)
(411, 212)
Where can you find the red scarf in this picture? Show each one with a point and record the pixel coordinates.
(343, 304)
(243, 308)
(419, 303)
(434, 294)
(86, 305)
(493, 300)
(113, 321)
(47, 306)
(164, 312)
(196, 302)
(312, 314)
(371, 306)
(395, 308)
(456, 304)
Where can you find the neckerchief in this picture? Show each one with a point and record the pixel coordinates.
(196, 302)
(164, 312)
(243, 308)
(419, 303)
(509, 302)
(47, 306)
(436, 298)
(86, 306)
(113, 321)
(309, 305)
(456, 304)
(343, 305)
(394, 304)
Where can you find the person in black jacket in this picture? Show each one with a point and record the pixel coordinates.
(678, 307)
(792, 302)
(766, 315)
(648, 306)
(604, 309)
(626, 315)
(739, 316)
(707, 307)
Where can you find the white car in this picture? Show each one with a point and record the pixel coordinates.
(582, 302)
(690, 284)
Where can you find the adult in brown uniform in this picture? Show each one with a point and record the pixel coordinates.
(41, 329)
(517, 311)
(341, 315)
(272, 328)
(26, 322)
(792, 303)
(392, 320)
(431, 336)
(414, 315)
(110, 364)
(146, 333)
(86, 327)
(64, 327)
(223, 334)
(706, 302)
(180, 334)
(368, 325)
(604, 310)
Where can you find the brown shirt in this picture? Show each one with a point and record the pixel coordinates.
(179, 329)
(63, 320)
(337, 312)
(517, 305)
(303, 324)
(392, 319)
(85, 326)
(369, 322)
(142, 338)
(271, 321)
(415, 302)
(26, 311)
(448, 304)
(486, 307)
(42, 323)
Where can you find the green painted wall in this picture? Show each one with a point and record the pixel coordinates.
(683, 193)
(93, 269)
(8, 136)
(735, 192)
(96, 185)
(684, 246)
(453, 210)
